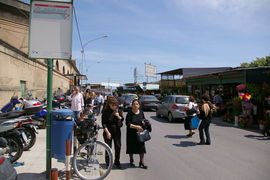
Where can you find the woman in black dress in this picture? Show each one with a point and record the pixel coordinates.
(135, 122)
(112, 122)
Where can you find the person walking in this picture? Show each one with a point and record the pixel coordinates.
(100, 102)
(135, 122)
(205, 115)
(77, 102)
(191, 112)
(91, 102)
(112, 121)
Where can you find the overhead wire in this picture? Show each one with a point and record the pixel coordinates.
(77, 25)
(80, 39)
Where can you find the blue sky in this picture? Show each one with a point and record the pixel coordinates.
(169, 34)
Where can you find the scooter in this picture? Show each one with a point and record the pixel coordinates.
(11, 104)
(28, 131)
(7, 171)
(11, 147)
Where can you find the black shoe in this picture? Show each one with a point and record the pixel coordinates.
(131, 163)
(208, 143)
(118, 166)
(200, 143)
(141, 165)
(189, 135)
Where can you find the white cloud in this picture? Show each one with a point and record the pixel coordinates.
(239, 15)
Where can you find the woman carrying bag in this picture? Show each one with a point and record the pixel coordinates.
(191, 112)
(135, 122)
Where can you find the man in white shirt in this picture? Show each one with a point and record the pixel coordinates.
(100, 101)
(77, 102)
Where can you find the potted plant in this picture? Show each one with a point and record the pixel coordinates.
(243, 121)
(236, 103)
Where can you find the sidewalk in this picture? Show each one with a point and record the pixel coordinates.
(219, 121)
(35, 161)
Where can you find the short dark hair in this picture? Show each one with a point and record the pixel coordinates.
(134, 100)
(191, 99)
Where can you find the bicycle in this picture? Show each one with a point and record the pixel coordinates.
(89, 161)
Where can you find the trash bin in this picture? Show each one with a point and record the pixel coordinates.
(62, 128)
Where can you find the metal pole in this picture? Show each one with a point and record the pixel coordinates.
(48, 123)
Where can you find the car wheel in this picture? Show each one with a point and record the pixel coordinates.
(170, 117)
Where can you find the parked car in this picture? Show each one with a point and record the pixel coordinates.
(149, 102)
(173, 107)
(128, 98)
(158, 96)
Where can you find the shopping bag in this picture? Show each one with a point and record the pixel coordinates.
(195, 122)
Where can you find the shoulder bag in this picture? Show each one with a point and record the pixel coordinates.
(143, 136)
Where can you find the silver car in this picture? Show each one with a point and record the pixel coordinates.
(128, 98)
(173, 107)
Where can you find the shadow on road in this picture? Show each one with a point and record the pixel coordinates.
(185, 144)
(163, 120)
(27, 176)
(123, 167)
(176, 136)
(257, 137)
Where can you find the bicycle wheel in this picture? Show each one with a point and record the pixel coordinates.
(89, 161)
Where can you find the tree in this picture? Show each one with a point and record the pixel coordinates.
(264, 61)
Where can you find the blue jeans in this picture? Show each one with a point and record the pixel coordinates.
(76, 115)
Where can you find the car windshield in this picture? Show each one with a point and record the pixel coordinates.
(150, 98)
(130, 96)
(181, 100)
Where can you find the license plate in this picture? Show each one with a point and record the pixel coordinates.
(24, 137)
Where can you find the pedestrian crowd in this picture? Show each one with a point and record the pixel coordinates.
(112, 120)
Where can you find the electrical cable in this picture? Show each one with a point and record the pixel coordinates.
(80, 39)
(77, 25)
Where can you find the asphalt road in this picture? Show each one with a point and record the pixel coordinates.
(235, 154)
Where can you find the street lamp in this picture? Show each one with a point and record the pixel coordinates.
(83, 46)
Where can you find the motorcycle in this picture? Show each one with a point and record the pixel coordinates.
(11, 104)
(11, 145)
(28, 131)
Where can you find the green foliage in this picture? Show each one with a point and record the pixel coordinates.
(264, 61)
(237, 108)
(245, 65)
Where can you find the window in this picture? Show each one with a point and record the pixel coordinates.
(64, 70)
(182, 100)
(57, 65)
(23, 88)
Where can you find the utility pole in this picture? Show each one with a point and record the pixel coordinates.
(135, 74)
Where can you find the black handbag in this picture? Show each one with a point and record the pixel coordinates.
(143, 136)
(191, 111)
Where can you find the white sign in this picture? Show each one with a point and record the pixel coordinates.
(50, 30)
(150, 70)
